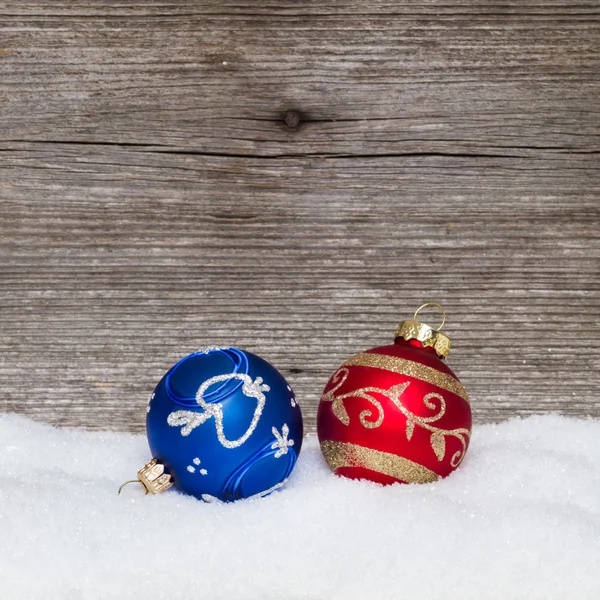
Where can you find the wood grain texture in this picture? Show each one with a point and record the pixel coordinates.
(157, 195)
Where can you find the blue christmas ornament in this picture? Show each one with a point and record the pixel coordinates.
(222, 424)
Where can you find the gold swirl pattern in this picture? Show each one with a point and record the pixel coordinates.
(342, 454)
(410, 369)
(438, 436)
(339, 410)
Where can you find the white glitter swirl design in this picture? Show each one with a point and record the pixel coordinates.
(189, 420)
(209, 349)
(214, 499)
(281, 441)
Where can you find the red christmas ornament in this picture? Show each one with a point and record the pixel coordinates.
(396, 413)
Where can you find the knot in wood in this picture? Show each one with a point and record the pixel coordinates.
(292, 119)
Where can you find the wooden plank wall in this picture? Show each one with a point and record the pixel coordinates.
(295, 178)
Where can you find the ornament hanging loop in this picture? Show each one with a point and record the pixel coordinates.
(133, 481)
(432, 304)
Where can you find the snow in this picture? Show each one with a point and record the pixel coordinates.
(519, 519)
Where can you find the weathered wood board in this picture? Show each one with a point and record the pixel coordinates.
(157, 195)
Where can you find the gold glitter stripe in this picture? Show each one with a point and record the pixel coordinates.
(409, 368)
(341, 454)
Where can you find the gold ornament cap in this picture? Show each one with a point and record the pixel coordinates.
(428, 336)
(152, 478)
